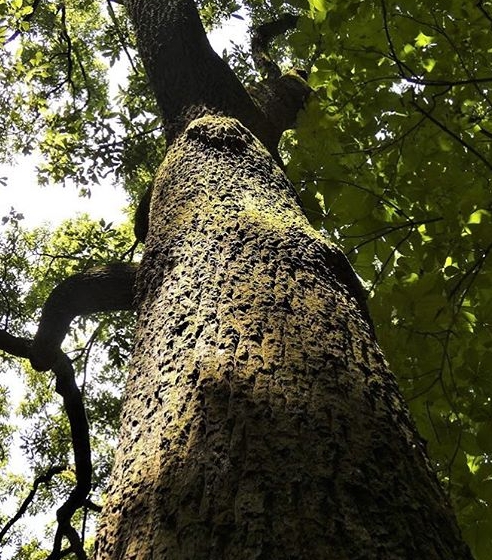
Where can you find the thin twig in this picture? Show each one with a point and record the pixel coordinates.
(42, 479)
(452, 134)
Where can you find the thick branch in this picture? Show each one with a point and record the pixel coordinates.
(106, 288)
(280, 100)
(188, 78)
(15, 345)
(184, 71)
(262, 37)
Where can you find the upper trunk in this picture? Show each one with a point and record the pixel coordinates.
(189, 79)
(260, 419)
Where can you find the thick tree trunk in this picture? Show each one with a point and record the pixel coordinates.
(260, 419)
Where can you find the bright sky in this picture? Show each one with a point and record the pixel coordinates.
(55, 203)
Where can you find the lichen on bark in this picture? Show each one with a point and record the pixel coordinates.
(260, 418)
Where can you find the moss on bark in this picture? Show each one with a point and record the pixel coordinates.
(260, 419)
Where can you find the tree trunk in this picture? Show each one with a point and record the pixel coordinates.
(260, 419)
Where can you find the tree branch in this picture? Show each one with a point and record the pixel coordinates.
(41, 479)
(121, 38)
(79, 429)
(260, 39)
(453, 135)
(106, 288)
(486, 14)
(15, 345)
(188, 78)
(186, 75)
(27, 18)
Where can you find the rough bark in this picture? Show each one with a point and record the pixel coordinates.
(260, 419)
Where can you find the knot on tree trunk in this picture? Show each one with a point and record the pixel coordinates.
(222, 133)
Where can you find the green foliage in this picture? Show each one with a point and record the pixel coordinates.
(392, 156)
(32, 263)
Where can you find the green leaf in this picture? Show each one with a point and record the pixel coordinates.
(422, 40)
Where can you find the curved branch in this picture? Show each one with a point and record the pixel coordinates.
(105, 288)
(15, 345)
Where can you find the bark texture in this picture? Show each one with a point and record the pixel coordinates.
(260, 419)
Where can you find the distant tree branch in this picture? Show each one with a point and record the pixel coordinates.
(42, 479)
(409, 75)
(401, 65)
(27, 18)
(68, 41)
(385, 264)
(417, 80)
(472, 272)
(378, 196)
(481, 7)
(387, 230)
(121, 38)
(453, 135)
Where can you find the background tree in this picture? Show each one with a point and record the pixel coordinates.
(391, 154)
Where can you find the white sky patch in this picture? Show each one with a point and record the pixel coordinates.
(55, 203)
(233, 30)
